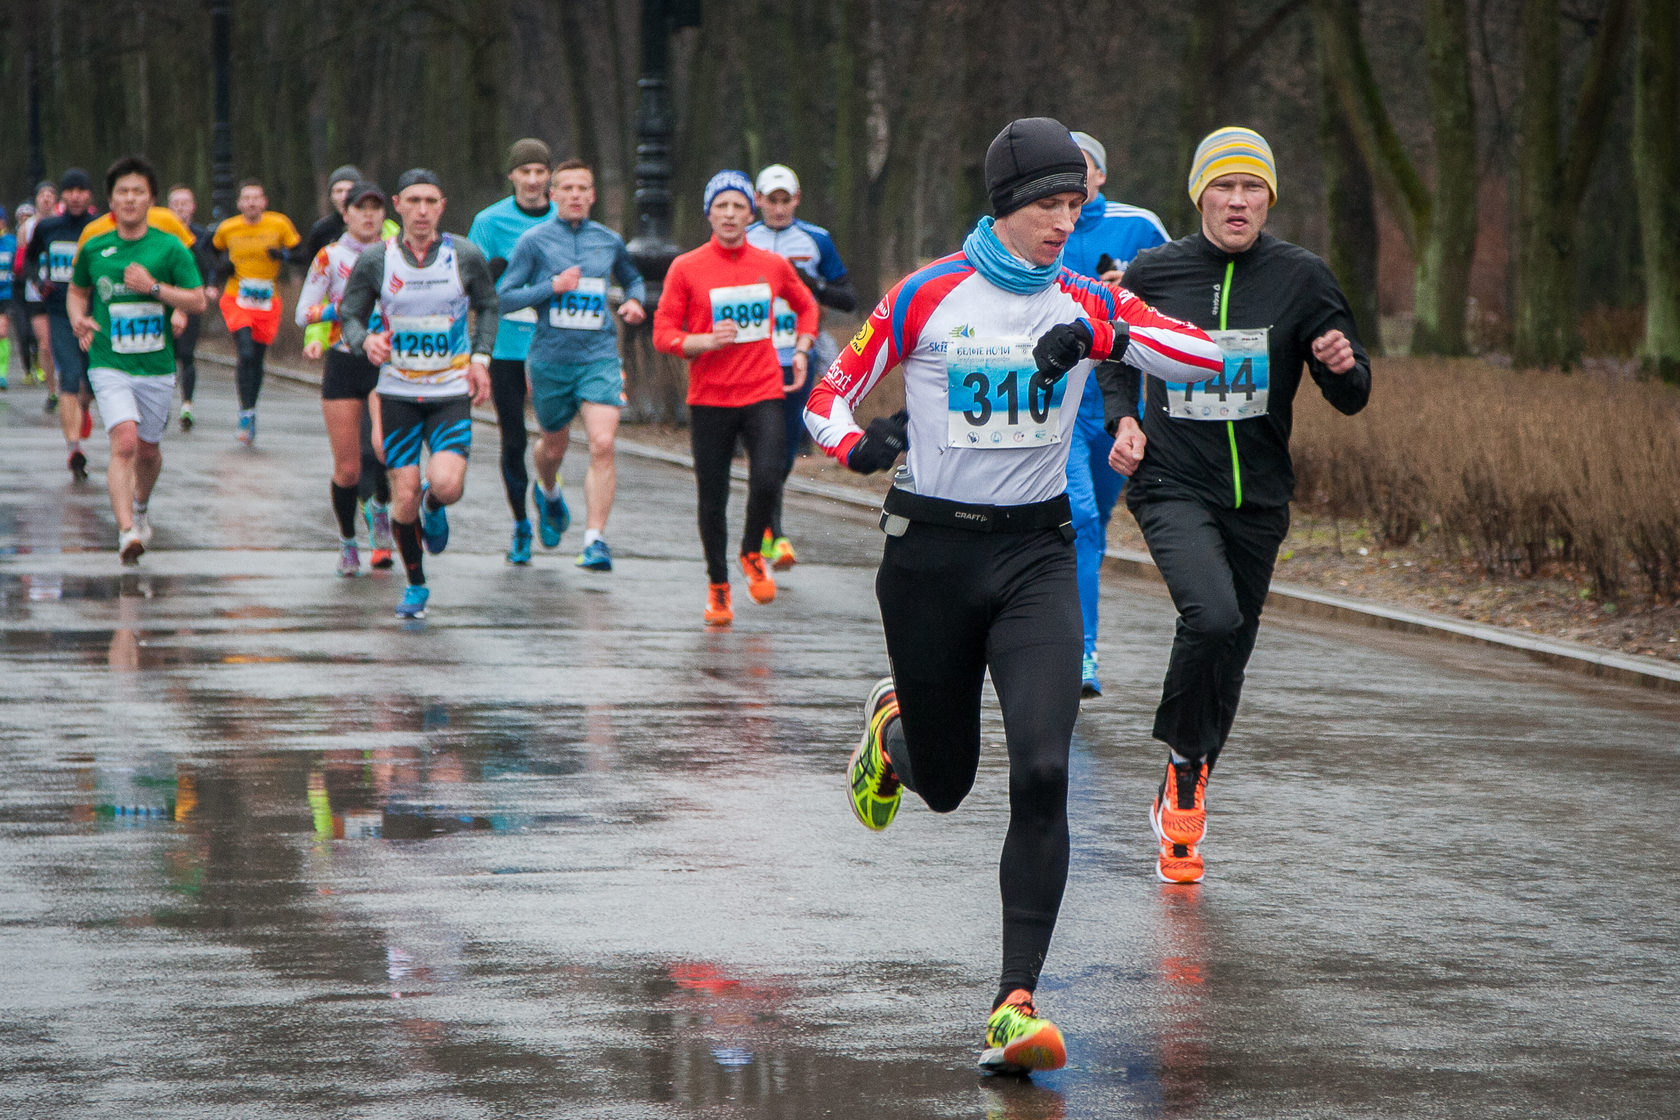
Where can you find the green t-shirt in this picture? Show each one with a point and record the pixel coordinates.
(133, 334)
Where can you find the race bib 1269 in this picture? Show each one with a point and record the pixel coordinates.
(748, 305)
(1240, 390)
(992, 403)
(422, 344)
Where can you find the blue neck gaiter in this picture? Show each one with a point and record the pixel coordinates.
(1003, 268)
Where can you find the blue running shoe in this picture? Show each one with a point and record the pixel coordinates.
(413, 603)
(520, 551)
(1089, 686)
(553, 517)
(595, 557)
(434, 523)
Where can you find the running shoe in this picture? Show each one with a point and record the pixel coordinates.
(246, 432)
(595, 557)
(186, 416)
(1089, 686)
(781, 554)
(39, 375)
(143, 526)
(378, 517)
(1179, 863)
(1179, 813)
(718, 612)
(519, 552)
(1019, 1040)
(875, 789)
(130, 546)
(553, 517)
(4, 384)
(380, 559)
(413, 603)
(51, 404)
(349, 559)
(434, 523)
(78, 465)
(87, 422)
(760, 585)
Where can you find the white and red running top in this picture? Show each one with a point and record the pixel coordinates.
(979, 432)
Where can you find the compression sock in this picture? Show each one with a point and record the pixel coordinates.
(408, 543)
(344, 508)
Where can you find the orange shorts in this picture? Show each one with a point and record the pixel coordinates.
(264, 324)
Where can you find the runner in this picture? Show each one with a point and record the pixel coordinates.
(119, 287)
(184, 205)
(330, 227)
(715, 311)
(565, 266)
(255, 242)
(49, 258)
(430, 372)
(349, 378)
(815, 260)
(8, 250)
(1212, 487)
(978, 568)
(35, 310)
(17, 309)
(1104, 240)
(495, 230)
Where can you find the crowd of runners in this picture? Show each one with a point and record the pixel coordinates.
(1068, 351)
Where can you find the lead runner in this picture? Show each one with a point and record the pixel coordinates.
(978, 569)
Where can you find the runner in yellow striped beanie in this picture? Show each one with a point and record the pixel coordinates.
(1227, 151)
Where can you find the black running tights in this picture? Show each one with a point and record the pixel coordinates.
(953, 604)
(249, 372)
(507, 392)
(712, 432)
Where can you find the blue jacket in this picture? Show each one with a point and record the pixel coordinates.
(553, 247)
(495, 230)
(1114, 228)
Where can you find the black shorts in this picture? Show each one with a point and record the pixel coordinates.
(440, 423)
(34, 307)
(347, 377)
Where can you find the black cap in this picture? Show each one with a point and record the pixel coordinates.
(75, 179)
(364, 189)
(415, 176)
(1032, 158)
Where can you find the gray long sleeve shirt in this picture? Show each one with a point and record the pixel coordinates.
(571, 328)
(361, 291)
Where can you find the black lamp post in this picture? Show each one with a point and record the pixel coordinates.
(221, 129)
(652, 248)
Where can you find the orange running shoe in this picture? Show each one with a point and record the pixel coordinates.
(1179, 813)
(381, 558)
(87, 422)
(1179, 863)
(718, 612)
(760, 585)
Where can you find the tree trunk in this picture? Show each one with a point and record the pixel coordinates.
(1442, 282)
(1202, 85)
(1656, 170)
(1352, 211)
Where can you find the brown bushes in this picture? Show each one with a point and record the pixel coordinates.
(1517, 470)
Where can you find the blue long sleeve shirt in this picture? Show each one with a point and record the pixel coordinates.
(566, 330)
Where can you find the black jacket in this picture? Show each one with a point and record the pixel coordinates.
(1244, 462)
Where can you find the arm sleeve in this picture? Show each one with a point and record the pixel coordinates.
(1346, 392)
(314, 291)
(520, 285)
(837, 291)
(670, 318)
(1164, 347)
(863, 361)
(481, 294)
(629, 277)
(360, 294)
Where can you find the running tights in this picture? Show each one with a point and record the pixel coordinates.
(954, 604)
(507, 392)
(186, 356)
(249, 372)
(712, 432)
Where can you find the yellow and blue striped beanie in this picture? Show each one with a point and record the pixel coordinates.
(1227, 151)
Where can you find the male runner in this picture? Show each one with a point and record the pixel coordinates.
(349, 378)
(431, 371)
(716, 311)
(330, 226)
(120, 286)
(49, 258)
(34, 310)
(1212, 486)
(184, 205)
(978, 570)
(495, 230)
(1104, 240)
(815, 260)
(255, 241)
(17, 309)
(564, 267)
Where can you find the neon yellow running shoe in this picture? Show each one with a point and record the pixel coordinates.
(1019, 1041)
(875, 791)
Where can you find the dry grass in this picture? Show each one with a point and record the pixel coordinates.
(1523, 472)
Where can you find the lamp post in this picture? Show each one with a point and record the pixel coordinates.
(652, 248)
(221, 129)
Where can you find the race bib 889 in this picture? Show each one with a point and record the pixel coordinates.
(748, 305)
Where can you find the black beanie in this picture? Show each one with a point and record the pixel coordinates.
(1032, 158)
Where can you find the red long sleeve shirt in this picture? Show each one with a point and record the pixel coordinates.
(740, 284)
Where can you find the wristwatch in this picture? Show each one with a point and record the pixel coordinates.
(156, 288)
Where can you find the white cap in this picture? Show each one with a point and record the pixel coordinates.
(777, 177)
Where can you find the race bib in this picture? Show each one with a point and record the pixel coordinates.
(1240, 390)
(254, 295)
(137, 328)
(420, 344)
(61, 259)
(748, 305)
(584, 308)
(991, 400)
(525, 315)
(785, 331)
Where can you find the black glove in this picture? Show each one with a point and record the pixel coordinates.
(884, 440)
(277, 254)
(816, 283)
(1058, 350)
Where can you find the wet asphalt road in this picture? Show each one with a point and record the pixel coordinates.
(559, 851)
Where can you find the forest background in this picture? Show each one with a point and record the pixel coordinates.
(1488, 178)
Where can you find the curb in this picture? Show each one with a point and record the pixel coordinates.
(1647, 672)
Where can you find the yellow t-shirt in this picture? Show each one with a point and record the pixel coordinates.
(247, 243)
(158, 217)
